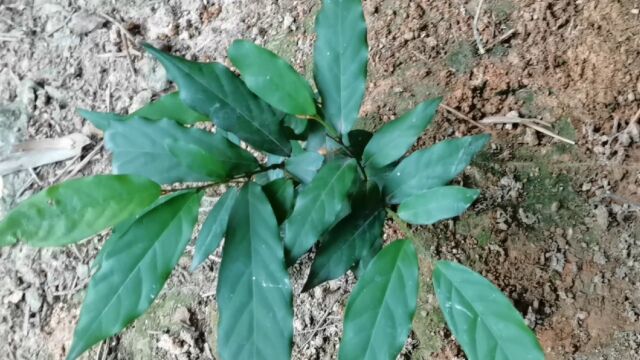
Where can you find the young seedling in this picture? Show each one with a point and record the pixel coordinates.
(319, 185)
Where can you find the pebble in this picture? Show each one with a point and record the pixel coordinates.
(33, 298)
(287, 22)
(84, 22)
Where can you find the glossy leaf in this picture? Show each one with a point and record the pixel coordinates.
(380, 310)
(166, 107)
(395, 138)
(322, 203)
(212, 89)
(76, 209)
(220, 160)
(431, 167)
(281, 195)
(482, 319)
(214, 227)
(170, 107)
(134, 269)
(340, 61)
(167, 152)
(436, 204)
(351, 239)
(304, 166)
(254, 294)
(272, 78)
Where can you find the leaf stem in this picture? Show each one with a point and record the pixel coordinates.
(246, 176)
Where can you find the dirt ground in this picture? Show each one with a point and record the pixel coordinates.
(557, 227)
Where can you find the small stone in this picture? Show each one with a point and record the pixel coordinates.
(33, 299)
(530, 137)
(408, 35)
(602, 216)
(14, 298)
(431, 42)
(287, 22)
(635, 11)
(161, 24)
(555, 206)
(82, 271)
(84, 22)
(181, 316)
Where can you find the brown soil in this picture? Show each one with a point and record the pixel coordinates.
(557, 227)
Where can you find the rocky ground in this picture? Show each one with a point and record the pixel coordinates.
(557, 227)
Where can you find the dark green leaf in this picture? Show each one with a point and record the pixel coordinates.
(214, 227)
(320, 204)
(254, 293)
(144, 147)
(280, 193)
(482, 319)
(358, 139)
(395, 138)
(304, 166)
(220, 160)
(101, 120)
(134, 269)
(340, 61)
(351, 239)
(272, 78)
(169, 107)
(431, 167)
(439, 203)
(212, 89)
(378, 316)
(76, 209)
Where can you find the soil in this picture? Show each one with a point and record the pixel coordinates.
(557, 227)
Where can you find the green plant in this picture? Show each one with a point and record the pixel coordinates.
(317, 183)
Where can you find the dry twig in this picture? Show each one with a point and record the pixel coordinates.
(465, 117)
(532, 123)
(476, 32)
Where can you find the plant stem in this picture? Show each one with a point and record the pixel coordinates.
(246, 176)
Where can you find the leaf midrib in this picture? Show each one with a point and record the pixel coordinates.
(228, 103)
(489, 327)
(386, 291)
(323, 193)
(135, 269)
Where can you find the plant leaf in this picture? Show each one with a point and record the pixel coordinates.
(212, 89)
(134, 269)
(378, 316)
(280, 193)
(166, 107)
(340, 61)
(482, 319)
(351, 239)
(101, 120)
(144, 147)
(76, 209)
(395, 138)
(254, 294)
(214, 227)
(436, 204)
(220, 161)
(358, 140)
(298, 126)
(431, 167)
(322, 203)
(304, 166)
(171, 107)
(272, 78)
